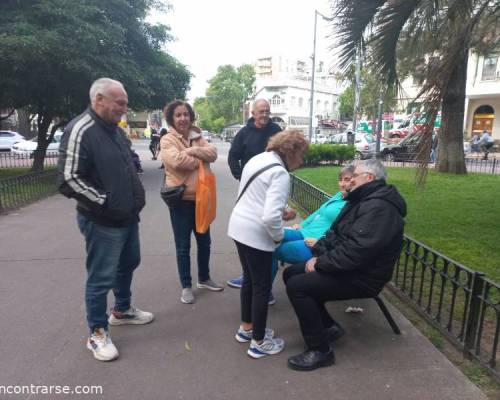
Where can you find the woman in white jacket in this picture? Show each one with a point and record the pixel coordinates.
(256, 226)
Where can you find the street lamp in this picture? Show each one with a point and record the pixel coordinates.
(316, 13)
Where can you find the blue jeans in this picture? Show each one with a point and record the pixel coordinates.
(183, 224)
(292, 250)
(112, 256)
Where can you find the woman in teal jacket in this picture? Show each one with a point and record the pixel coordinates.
(299, 239)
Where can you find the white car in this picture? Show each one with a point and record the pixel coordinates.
(365, 144)
(9, 138)
(318, 139)
(28, 147)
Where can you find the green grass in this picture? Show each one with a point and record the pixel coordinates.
(17, 193)
(458, 216)
(11, 172)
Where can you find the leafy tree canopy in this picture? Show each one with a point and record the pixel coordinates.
(52, 50)
(227, 91)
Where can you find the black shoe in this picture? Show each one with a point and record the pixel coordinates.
(335, 332)
(311, 359)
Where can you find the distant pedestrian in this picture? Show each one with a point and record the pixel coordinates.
(474, 143)
(95, 167)
(163, 132)
(154, 144)
(486, 143)
(135, 158)
(434, 148)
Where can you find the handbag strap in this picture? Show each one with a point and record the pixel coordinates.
(255, 175)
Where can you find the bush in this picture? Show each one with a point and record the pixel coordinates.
(329, 154)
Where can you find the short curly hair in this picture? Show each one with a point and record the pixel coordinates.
(169, 110)
(288, 143)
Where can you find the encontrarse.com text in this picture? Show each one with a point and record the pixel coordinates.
(50, 389)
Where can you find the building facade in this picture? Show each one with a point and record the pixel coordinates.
(286, 84)
(482, 109)
(482, 103)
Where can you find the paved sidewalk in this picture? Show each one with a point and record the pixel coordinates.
(189, 351)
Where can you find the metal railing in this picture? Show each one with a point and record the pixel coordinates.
(12, 160)
(473, 164)
(24, 189)
(463, 304)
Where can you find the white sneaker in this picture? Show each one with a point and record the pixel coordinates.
(266, 348)
(244, 336)
(187, 296)
(101, 345)
(133, 316)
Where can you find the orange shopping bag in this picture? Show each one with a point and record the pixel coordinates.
(206, 198)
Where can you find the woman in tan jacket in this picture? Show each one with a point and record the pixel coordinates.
(181, 151)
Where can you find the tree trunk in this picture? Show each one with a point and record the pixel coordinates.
(24, 124)
(43, 121)
(451, 136)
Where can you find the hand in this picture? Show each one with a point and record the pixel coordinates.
(295, 226)
(310, 264)
(289, 214)
(310, 242)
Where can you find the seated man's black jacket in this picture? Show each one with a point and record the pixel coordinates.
(365, 240)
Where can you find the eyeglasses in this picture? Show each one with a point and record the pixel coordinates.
(264, 113)
(361, 173)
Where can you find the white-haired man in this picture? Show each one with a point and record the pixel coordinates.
(355, 259)
(95, 167)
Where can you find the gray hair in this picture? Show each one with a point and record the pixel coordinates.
(102, 86)
(375, 167)
(348, 169)
(254, 104)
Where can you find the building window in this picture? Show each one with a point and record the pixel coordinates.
(301, 102)
(293, 101)
(276, 100)
(489, 68)
(327, 106)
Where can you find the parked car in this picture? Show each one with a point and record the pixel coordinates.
(318, 139)
(28, 147)
(8, 139)
(365, 144)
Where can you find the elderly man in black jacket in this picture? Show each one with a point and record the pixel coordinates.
(95, 168)
(355, 259)
(252, 138)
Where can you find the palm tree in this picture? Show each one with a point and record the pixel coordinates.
(440, 33)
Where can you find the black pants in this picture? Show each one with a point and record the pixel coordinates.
(257, 266)
(308, 293)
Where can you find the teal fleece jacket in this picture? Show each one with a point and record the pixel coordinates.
(316, 225)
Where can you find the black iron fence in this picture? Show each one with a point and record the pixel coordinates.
(13, 160)
(473, 164)
(463, 304)
(24, 189)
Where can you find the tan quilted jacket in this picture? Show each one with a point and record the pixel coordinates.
(181, 158)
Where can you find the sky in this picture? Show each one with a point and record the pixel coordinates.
(212, 33)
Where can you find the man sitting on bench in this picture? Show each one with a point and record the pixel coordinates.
(355, 259)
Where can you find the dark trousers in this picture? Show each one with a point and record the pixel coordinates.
(257, 266)
(308, 293)
(183, 224)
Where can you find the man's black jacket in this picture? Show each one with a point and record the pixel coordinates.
(248, 142)
(95, 168)
(365, 240)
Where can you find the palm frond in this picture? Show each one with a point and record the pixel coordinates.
(390, 22)
(351, 19)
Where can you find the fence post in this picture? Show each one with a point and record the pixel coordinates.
(473, 313)
(493, 165)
